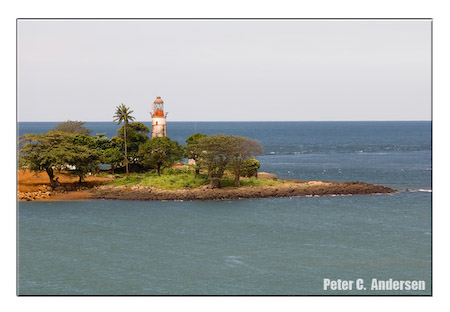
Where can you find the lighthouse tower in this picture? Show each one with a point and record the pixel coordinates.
(159, 125)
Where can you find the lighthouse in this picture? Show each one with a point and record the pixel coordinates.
(159, 125)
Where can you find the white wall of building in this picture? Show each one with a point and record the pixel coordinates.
(159, 127)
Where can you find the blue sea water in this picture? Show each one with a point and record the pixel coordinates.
(277, 246)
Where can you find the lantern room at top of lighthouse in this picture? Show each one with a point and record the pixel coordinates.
(158, 107)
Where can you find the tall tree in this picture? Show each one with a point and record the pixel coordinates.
(84, 160)
(191, 150)
(88, 155)
(241, 150)
(137, 134)
(160, 152)
(71, 126)
(213, 154)
(56, 150)
(218, 153)
(123, 114)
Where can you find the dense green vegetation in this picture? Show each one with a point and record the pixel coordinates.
(174, 179)
(217, 153)
(168, 180)
(250, 168)
(220, 160)
(59, 150)
(160, 153)
(191, 151)
(137, 134)
(71, 126)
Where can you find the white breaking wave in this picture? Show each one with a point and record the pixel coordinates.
(421, 190)
(234, 260)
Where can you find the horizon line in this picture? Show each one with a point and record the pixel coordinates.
(236, 120)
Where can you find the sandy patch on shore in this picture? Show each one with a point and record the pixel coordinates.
(35, 186)
(30, 181)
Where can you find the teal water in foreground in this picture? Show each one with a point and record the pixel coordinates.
(264, 246)
(278, 246)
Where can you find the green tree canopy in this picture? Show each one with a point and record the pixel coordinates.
(191, 150)
(213, 153)
(71, 126)
(102, 142)
(112, 156)
(84, 140)
(241, 149)
(160, 152)
(84, 160)
(108, 151)
(194, 138)
(56, 150)
(137, 134)
(218, 153)
(250, 168)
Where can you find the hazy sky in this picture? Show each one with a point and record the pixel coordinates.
(225, 70)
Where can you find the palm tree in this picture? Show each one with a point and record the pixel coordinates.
(123, 114)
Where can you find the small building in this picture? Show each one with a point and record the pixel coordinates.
(159, 125)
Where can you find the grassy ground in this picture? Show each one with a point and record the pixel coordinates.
(165, 181)
(174, 179)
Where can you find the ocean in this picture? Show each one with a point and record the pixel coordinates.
(276, 246)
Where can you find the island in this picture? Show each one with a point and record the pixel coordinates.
(32, 187)
(67, 163)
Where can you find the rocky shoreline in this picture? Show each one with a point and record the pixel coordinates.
(290, 188)
(230, 193)
(301, 188)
